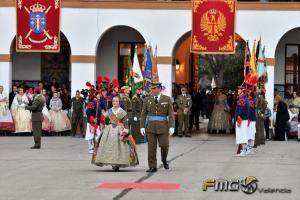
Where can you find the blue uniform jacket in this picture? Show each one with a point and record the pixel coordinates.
(252, 108)
(92, 110)
(242, 108)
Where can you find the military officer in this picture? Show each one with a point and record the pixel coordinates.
(184, 102)
(137, 105)
(126, 103)
(157, 121)
(37, 117)
(77, 103)
(261, 105)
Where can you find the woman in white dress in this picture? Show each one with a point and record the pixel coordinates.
(59, 118)
(22, 117)
(6, 121)
(47, 124)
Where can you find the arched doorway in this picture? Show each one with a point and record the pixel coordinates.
(196, 70)
(114, 47)
(33, 67)
(287, 63)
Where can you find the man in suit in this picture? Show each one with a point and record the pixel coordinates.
(184, 103)
(12, 95)
(37, 117)
(157, 120)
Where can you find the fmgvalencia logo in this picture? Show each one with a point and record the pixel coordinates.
(248, 185)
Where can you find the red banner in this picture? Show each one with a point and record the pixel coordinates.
(38, 25)
(213, 26)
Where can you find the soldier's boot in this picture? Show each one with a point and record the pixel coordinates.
(188, 134)
(164, 154)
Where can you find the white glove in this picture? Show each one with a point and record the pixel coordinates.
(143, 131)
(171, 131)
(135, 119)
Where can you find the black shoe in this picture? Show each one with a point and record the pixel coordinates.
(299, 140)
(188, 135)
(152, 170)
(166, 165)
(180, 135)
(115, 168)
(35, 147)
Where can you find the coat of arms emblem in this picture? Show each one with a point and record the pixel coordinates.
(38, 27)
(38, 20)
(213, 23)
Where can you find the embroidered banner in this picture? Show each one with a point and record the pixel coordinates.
(38, 25)
(213, 26)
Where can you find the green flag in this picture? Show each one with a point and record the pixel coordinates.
(128, 72)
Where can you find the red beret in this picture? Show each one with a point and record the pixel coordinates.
(37, 89)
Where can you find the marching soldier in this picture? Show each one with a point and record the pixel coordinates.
(184, 103)
(37, 117)
(126, 103)
(137, 105)
(261, 108)
(157, 121)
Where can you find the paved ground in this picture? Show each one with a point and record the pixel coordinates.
(62, 170)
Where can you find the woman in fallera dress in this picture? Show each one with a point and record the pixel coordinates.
(59, 118)
(22, 117)
(220, 118)
(117, 147)
(6, 121)
(47, 124)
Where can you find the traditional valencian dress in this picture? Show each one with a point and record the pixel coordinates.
(59, 118)
(47, 124)
(116, 147)
(220, 117)
(21, 116)
(6, 121)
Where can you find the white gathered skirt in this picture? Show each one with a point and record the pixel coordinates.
(241, 132)
(252, 130)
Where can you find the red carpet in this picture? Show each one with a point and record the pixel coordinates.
(148, 186)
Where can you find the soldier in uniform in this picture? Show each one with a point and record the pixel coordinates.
(157, 120)
(242, 121)
(37, 117)
(261, 105)
(137, 105)
(77, 103)
(126, 104)
(184, 103)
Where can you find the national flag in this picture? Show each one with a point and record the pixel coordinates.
(144, 61)
(258, 47)
(247, 60)
(128, 72)
(260, 63)
(148, 70)
(265, 65)
(148, 67)
(136, 73)
(253, 68)
(155, 77)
